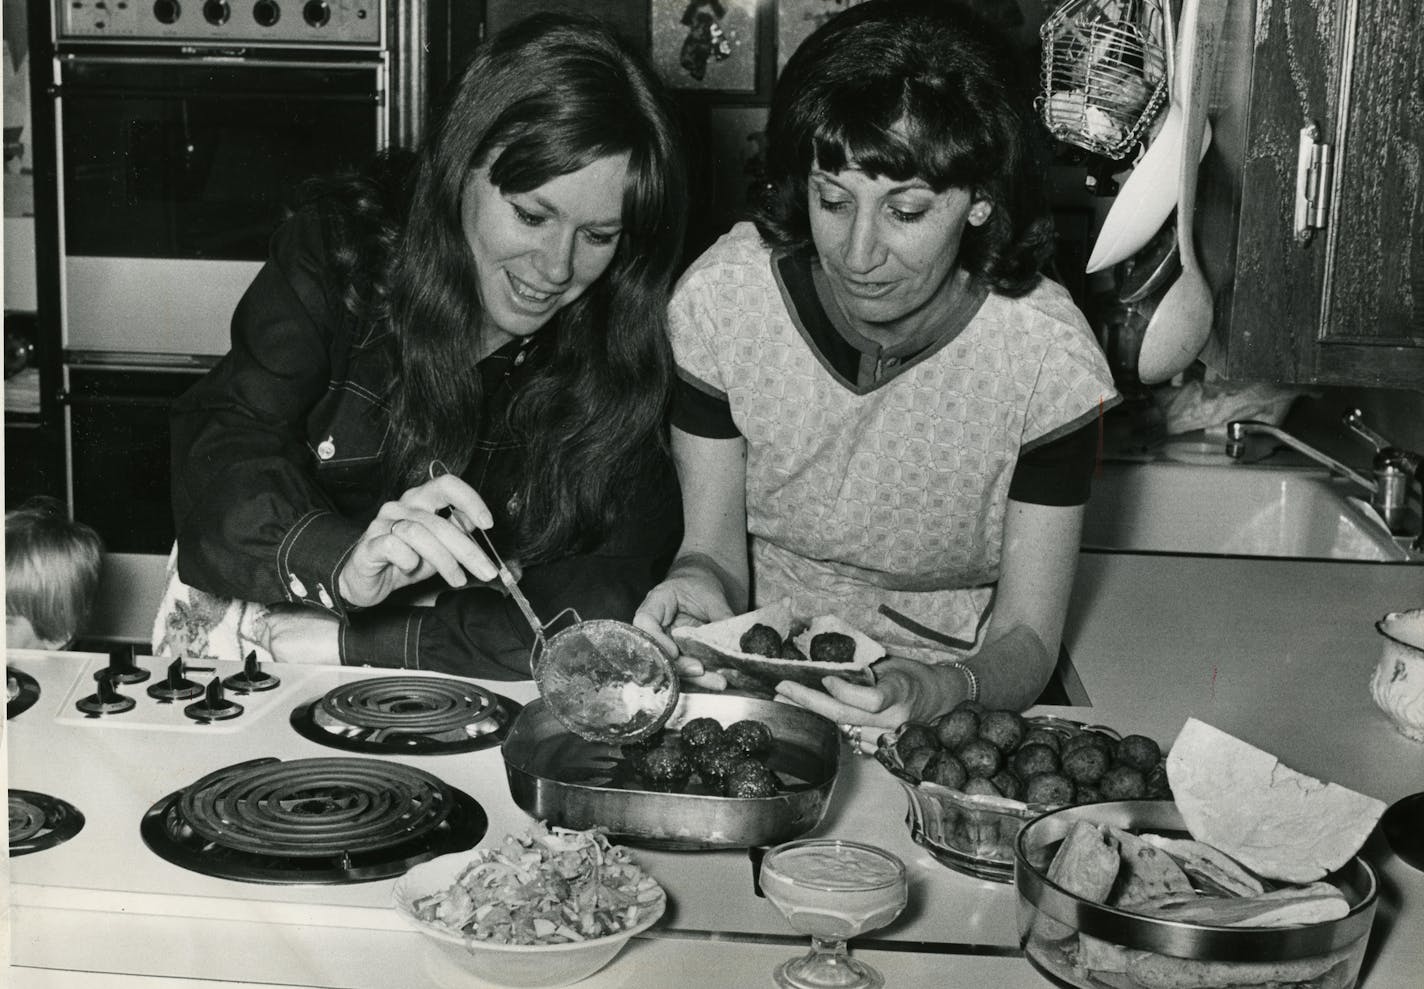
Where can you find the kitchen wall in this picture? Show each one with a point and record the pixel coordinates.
(1398, 416)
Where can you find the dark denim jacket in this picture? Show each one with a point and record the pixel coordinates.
(277, 472)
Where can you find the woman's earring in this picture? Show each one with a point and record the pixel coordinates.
(978, 213)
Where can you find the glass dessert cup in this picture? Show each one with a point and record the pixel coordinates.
(832, 890)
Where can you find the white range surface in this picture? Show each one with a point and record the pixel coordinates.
(1276, 651)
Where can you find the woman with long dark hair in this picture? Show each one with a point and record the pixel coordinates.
(474, 338)
(877, 384)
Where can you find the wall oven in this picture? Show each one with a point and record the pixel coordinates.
(180, 132)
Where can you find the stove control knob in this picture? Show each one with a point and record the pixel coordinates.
(266, 12)
(217, 12)
(176, 686)
(214, 706)
(316, 13)
(105, 700)
(122, 668)
(167, 11)
(252, 678)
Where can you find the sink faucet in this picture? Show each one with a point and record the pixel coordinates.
(1239, 429)
(1394, 470)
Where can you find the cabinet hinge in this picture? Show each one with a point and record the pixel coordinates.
(1314, 175)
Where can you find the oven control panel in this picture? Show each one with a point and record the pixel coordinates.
(342, 24)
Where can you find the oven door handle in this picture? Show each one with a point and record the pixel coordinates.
(373, 96)
(375, 65)
(67, 397)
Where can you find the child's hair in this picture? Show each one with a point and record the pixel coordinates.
(51, 568)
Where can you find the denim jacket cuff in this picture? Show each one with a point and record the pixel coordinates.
(386, 636)
(310, 557)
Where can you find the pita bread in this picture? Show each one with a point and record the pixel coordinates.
(1146, 872)
(1277, 822)
(1208, 866)
(1086, 865)
(1154, 971)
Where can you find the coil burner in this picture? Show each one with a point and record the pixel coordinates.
(21, 692)
(328, 821)
(38, 822)
(422, 715)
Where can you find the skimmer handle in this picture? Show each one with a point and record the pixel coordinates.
(438, 468)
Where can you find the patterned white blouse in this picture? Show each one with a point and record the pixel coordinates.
(882, 500)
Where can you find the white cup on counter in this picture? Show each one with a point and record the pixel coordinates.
(1398, 681)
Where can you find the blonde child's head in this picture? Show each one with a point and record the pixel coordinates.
(51, 574)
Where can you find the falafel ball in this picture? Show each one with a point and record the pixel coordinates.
(980, 758)
(750, 778)
(1034, 757)
(1123, 783)
(915, 736)
(761, 640)
(956, 727)
(1008, 783)
(1087, 793)
(714, 762)
(832, 647)
(1004, 728)
(1139, 752)
(1088, 738)
(945, 769)
(751, 736)
(1086, 764)
(666, 769)
(1048, 788)
(702, 732)
(1038, 735)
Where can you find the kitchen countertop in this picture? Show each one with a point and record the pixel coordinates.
(1278, 652)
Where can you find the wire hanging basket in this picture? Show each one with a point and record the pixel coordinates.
(1105, 74)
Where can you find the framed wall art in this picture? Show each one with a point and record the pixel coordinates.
(796, 19)
(708, 46)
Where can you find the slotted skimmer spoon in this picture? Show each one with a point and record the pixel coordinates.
(605, 680)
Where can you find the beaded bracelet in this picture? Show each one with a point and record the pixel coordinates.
(971, 678)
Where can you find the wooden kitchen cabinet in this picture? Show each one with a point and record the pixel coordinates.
(1345, 306)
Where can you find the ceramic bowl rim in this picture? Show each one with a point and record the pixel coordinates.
(401, 893)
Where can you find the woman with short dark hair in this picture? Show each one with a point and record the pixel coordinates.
(933, 99)
(878, 385)
(495, 308)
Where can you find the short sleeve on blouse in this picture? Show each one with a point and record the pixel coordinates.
(692, 320)
(1074, 384)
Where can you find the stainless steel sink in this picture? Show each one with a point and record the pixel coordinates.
(1226, 508)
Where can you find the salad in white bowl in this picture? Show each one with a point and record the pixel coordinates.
(546, 908)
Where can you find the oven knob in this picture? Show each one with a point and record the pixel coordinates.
(316, 13)
(266, 12)
(167, 11)
(216, 12)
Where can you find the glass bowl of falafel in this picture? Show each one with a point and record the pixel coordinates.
(976, 775)
(726, 771)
